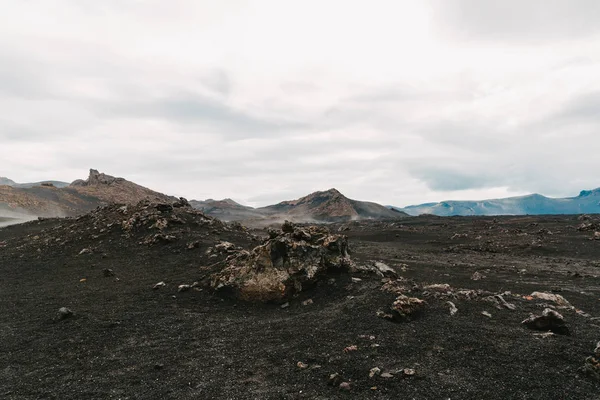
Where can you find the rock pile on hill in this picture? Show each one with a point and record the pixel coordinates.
(145, 223)
(284, 264)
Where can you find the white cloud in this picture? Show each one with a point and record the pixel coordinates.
(392, 101)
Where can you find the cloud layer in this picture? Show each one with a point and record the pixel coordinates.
(398, 102)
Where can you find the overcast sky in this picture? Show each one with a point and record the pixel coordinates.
(398, 102)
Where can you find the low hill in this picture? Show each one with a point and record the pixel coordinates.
(587, 202)
(330, 206)
(48, 200)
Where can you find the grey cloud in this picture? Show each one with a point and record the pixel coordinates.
(583, 107)
(517, 20)
(443, 179)
(191, 108)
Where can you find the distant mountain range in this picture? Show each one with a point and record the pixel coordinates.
(324, 206)
(588, 202)
(55, 198)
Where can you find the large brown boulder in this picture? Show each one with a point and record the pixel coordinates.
(283, 265)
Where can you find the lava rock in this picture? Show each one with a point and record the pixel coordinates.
(550, 320)
(64, 313)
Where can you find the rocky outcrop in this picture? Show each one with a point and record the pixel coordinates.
(284, 264)
(96, 178)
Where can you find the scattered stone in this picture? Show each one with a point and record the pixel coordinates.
(159, 366)
(586, 226)
(193, 245)
(477, 276)
(453, 309)
(384, 269)
(107, 272)
(301, 365)
(596, 236)
(356, 280)
(409, 372)
(500, 303)
(159, 285)
(83, 280)
(556, 298)
(224, 247)
(404, 308)
(307, 302)
(335, 379)
(487, 314)
(350, 348)
(183, 288)
(284, 305)
(85, 251)
(582, 313)
(550, 320)
(345, 386)
(591, 367)
(64, 313)
(386, 375)
(374, 372)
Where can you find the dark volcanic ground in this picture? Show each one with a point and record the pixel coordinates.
(128, 341)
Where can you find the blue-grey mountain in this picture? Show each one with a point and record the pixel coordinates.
(588, 202)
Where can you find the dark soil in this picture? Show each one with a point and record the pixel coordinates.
(128, 341)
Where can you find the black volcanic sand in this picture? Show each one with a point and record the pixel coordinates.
(127, 341)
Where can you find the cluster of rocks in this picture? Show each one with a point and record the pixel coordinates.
(288, 261)
(592, 364)
(148, 223)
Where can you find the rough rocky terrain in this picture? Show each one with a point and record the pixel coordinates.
(121, 303)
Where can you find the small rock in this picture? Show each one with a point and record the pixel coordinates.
(409, 371)
(307, 302)
(159, 366)
(374, 372)
(85, 251)
(183, 288)
(550, 320)
(386, 375)
(487, 314)
(453, 309)
(301, 365)
(159, 285)
(107, 272)
(284, 305)
(356, 280)
(64, 313)
(345, 386)
(335, 379)
(83, 280)
(476, 276)
(556, 298)
(350, 348)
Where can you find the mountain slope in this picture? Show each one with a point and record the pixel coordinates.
(226, 209)
(330, 206)
(79, 197)
(588, 202)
